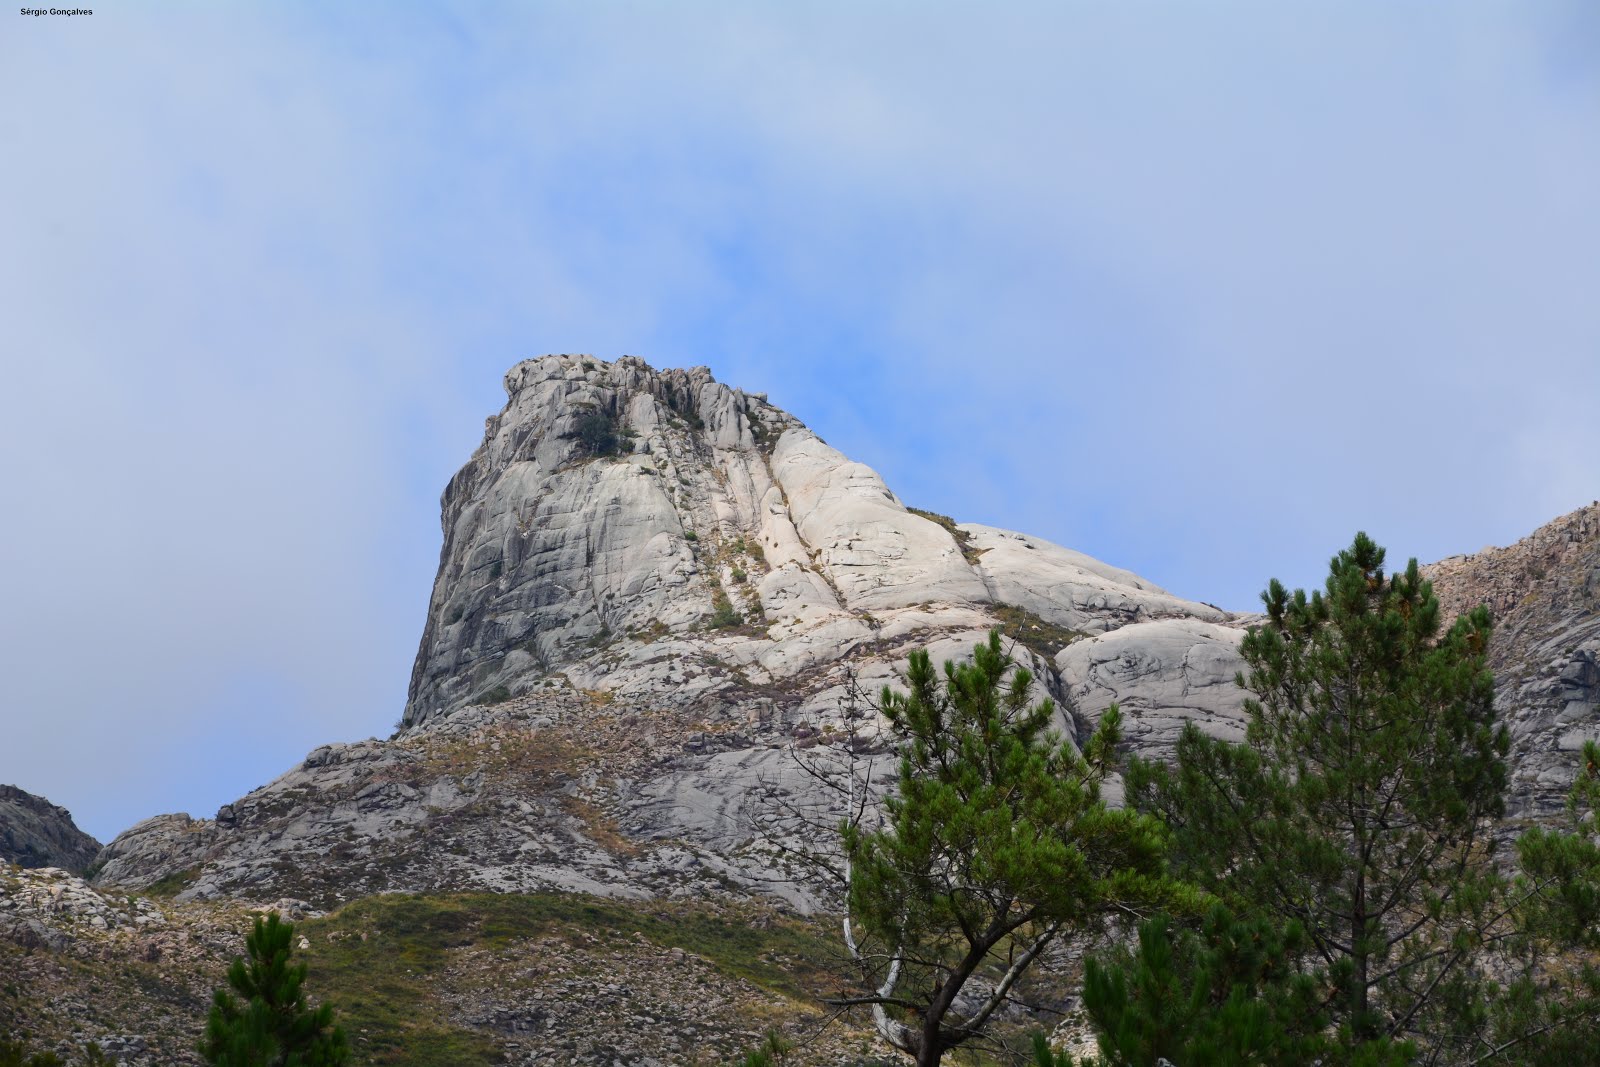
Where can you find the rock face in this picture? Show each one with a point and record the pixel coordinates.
(37, 833)
(1544, 596)
(659, 600)
(662, 608)
(50, 908)
(615, 515)
(1162, 675)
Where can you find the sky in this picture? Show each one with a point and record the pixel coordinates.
(1200, 290)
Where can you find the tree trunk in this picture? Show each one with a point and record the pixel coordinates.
(1359, 956)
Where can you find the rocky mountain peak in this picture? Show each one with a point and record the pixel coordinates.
(617, 517)
(577, 520)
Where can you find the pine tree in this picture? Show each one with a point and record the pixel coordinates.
(1552, 1011)
(995, 843)
(1228, 992)
(268, 1023)
(1360, 804)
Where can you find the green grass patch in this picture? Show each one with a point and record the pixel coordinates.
(381, 987)
(723, 617)
(173, 884)
(1028, 629)
(498, 695)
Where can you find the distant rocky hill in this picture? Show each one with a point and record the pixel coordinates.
(37, 833)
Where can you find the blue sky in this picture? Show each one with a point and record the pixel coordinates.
(1197, 289)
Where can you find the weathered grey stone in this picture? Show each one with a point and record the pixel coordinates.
(1069, 588)
(873, 551)
(574, 722)
(51, 908)
(1163, 675)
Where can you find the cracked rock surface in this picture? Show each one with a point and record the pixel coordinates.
(1543, 594)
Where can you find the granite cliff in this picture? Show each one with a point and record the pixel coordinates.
(654, 591)
(659, 600)
(1544, 595)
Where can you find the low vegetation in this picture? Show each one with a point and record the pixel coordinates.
(723, 617)
(383, 960)
(497, 695)
(1040, 635)
(600, 433)
(173, 884)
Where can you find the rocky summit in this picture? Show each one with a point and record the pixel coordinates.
(663, 604)
(645, 682)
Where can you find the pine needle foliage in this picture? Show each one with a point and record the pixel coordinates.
(1224, 993)
(1360, 805)
(995, 842)
(264, 1021)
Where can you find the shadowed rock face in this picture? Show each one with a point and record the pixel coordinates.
(37, 833)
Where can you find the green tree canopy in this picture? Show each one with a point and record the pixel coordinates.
(1360, 806)
(1224, 993)
(264, 1021)
(995, 842)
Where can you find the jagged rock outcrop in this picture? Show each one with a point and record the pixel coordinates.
(657, 596)
(47, 907)
(1544, 596)
(37, 833)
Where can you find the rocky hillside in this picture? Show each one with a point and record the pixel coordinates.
(426, 981)
(658, 601)
(37, 833)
